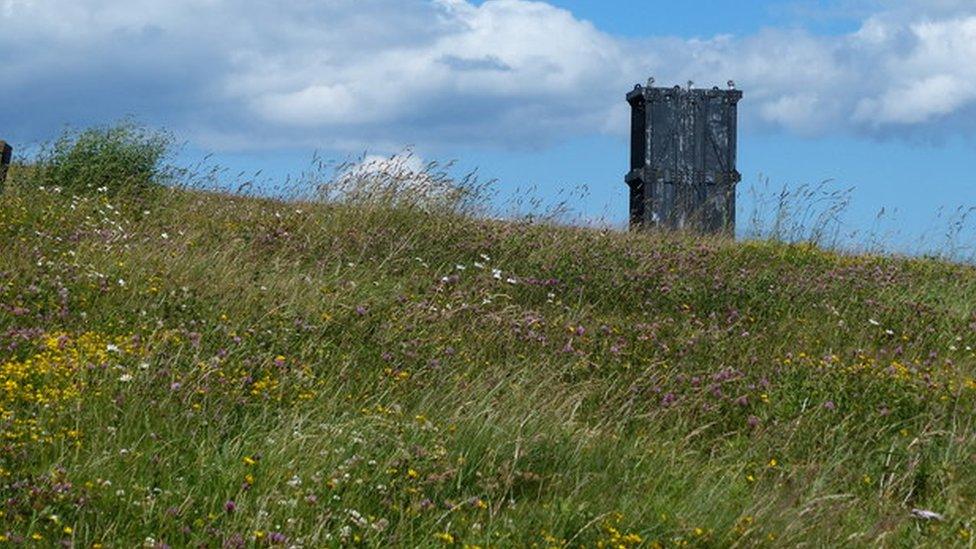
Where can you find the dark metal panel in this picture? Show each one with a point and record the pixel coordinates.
(683, 149)
(6, 152)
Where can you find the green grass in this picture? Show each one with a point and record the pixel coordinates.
(193, 368)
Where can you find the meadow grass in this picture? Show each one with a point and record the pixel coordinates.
(190, 368)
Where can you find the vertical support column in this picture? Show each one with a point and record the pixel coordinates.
(6, 153)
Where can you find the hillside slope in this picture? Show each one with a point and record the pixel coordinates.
(199, 369)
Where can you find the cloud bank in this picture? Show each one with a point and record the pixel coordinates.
(345, 74)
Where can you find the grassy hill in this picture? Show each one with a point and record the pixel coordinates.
(185, 368)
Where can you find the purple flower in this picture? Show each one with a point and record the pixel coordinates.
(230, 506)
(829, 405)
(360, 310)
(752, 421)
(668, 399)
(742, 401)
(277, 537)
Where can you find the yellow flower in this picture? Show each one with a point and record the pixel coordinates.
(444, 537)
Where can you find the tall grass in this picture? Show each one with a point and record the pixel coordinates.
(359, 366)
(124, 157)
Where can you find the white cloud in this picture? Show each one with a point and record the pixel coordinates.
(505, 73)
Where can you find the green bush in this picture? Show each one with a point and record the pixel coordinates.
(125, 157)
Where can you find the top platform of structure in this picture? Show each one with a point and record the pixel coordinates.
(653, 93)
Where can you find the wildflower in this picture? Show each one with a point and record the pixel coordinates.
(496, 274)
(230, 506)
(444, 537)
(829, 405)
(925, 514)
(752, 421)
(125, 378)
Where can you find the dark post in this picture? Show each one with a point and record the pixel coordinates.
(682, 158)
(6, 152)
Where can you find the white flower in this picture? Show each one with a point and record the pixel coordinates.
(873, 322)
(511, 280)
(925, 514)
(460, 267)
(479, 265)
(125, 378)
(496, 273)
(112, 348)
(165, 236)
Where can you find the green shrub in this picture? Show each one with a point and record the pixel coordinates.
(125, 157)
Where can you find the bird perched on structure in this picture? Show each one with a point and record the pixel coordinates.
(650, 82)
(731, 84)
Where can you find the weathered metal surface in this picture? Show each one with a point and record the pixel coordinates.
(6, 152)
(682, 159)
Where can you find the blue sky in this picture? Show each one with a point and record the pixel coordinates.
(878, 96)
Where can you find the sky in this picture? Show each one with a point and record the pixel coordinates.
(875, 96)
